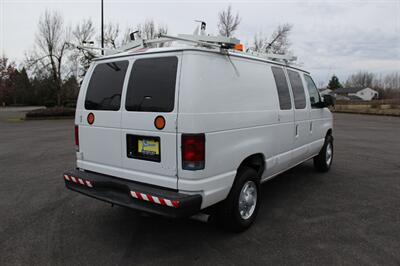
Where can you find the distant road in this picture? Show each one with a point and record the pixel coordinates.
(13, 113)
(20, 108)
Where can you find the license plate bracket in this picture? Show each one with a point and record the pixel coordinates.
(143, 147)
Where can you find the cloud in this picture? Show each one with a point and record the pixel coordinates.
(328, 37)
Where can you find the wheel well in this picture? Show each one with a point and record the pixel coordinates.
(329, 133)
(255, 161)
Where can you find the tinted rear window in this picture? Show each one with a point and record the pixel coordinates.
(105, 86)
(151, 85)
(283, 88)
(298, 89)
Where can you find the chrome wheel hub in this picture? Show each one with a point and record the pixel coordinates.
(248, 200)
(329, 153)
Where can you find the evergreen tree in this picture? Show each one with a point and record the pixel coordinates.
(23, 88)
(70, 90)
(334, 83)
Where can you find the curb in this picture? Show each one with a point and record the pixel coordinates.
(365, 113)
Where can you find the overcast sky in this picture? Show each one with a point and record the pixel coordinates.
(328, 37)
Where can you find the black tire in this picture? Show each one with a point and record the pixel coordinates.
(321, 162)
(228, 214)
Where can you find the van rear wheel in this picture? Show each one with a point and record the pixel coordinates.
(240, 208)
(323, 161)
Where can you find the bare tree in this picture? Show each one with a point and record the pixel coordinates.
(279, 43)
(127, 35)
(149, 30)
(111, 35)
(162, 29)
(228, 22)
(361, 79)
(83, 32)
(6, 68)
(392, 81)
(258, 43)
(387, 85)
(51, 47)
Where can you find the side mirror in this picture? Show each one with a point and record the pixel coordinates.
(329, 100)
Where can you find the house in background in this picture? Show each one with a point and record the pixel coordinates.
(354, 94)
(324, 91)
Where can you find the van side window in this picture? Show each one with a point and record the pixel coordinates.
(298, 89)
(105, 86)
(282, 87)
(312, 91)
(151, 86)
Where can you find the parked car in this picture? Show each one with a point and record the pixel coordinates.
(177, 131)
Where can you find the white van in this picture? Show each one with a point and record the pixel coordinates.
(177, 131)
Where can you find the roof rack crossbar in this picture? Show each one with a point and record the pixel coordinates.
(202, 40)
(185, 39)
(275, 57)
(82, 47)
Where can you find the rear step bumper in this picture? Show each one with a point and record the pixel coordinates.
(134, 195)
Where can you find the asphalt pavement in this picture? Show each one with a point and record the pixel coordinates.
(350, 215)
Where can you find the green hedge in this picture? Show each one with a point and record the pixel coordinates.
(51, 112)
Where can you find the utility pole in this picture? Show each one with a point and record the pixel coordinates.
(102, 28)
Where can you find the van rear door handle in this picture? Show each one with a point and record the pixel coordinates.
(297, 130)
(311, 127)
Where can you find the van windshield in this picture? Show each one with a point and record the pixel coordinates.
(151, 86)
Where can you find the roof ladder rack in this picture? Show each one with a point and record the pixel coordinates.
(200, 39)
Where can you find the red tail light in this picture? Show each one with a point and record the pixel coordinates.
(193, 151)
(77, 137)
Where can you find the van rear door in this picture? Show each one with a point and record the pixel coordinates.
(149, 154)
(100, 139)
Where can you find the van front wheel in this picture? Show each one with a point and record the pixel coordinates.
(323, 161)
(240, 208)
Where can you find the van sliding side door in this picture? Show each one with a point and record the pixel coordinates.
(301, 117)
(285, 126)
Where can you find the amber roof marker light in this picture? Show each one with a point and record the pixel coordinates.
(239, 47)
(159, 122)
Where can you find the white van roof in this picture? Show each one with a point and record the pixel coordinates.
(194, 48)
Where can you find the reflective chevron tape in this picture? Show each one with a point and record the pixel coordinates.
(154, 199)
(78, 180)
